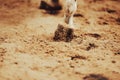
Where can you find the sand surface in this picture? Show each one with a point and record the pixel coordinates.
(28, 51)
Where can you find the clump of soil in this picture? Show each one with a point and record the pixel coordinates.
(117, 53)
(95, 35)
(51, 9)
(63, 33)
(95, 77)
(91, 46)
(78, 57)
(118, 20)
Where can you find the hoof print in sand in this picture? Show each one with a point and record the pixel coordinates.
(63, 33)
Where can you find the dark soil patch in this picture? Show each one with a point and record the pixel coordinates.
(95, 77)
(78, 57)
(51, 9)
(91, 46)
(95, 35)
(118, 20)
(117, 53)
(78, 15)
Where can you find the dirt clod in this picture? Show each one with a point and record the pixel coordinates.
(111, 11)
(113, 61)
(95, 77)
(117, 53)
(118, 20)
(91, 46)
(95, 35)
(63, 33)
(51, 9)
(78, 57)
(78, 15)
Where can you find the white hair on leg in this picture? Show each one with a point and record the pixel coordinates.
(70, 9)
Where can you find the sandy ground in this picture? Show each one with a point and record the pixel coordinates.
(28, 51)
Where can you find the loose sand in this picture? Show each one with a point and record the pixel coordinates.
(28, 51)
